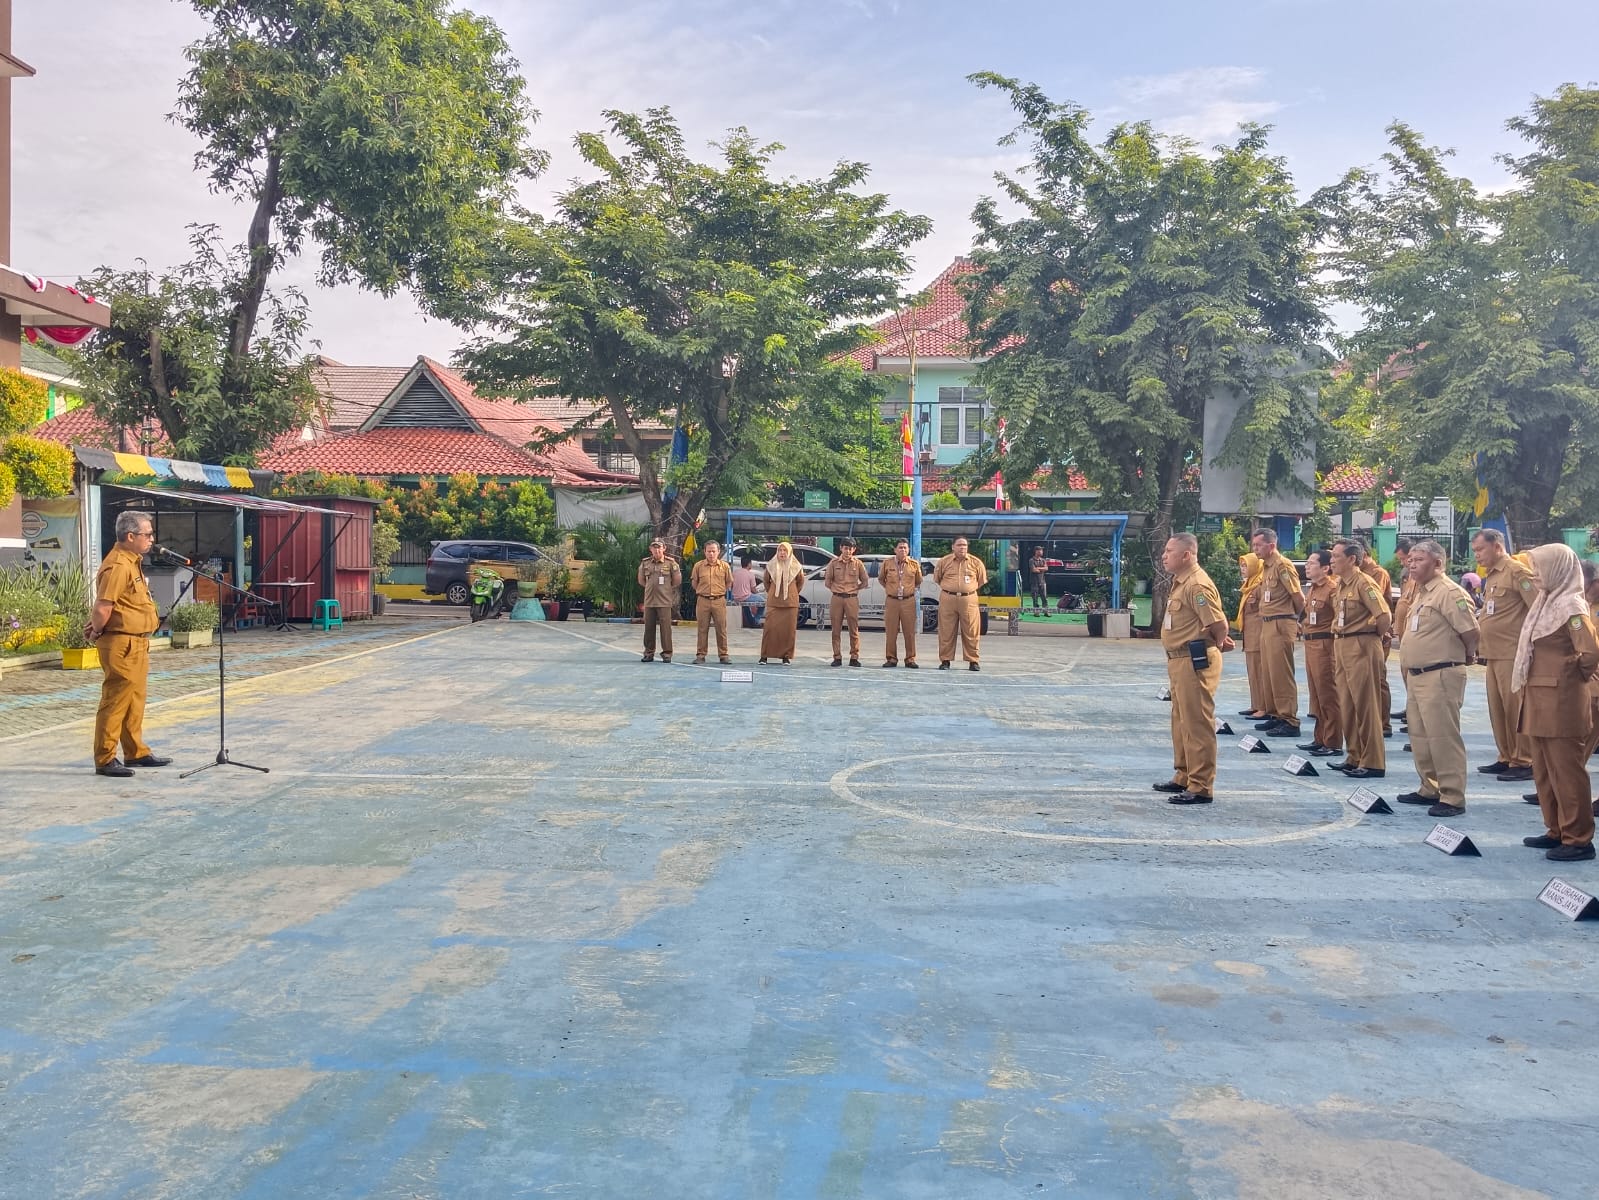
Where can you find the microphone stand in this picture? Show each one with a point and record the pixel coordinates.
(222, 759)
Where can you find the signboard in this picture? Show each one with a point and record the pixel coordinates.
(1367, 801)
(1572, 903)
(50, 528)
(1451, 841)
(1253, 744)
(818, 500)
(738, 676)
(1298, 764)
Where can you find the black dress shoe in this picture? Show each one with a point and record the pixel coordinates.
(1542, 842)
(973, 667)
(1171, 786)
(1515, 775)
(150, 760)
(910, 666)
(1311, 747)
(1267, 726)
(1326, 752)
(943, 666)
(1571, 853)
(890, 663)
(1406, 748)
(854, 662)
(1530, 797)
(1388, 733)
(837, 662)
(1416, 798)
(1365, 773)
(648, 658)
(725, 661)
(1445, 810)
(1284, 730)
(1346, 765)
(760, 662)
(1190, 798)
(1248, 712)
(1494, 768)
(666, 658)
(114, 769)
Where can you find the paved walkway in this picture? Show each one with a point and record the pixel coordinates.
(514, 915)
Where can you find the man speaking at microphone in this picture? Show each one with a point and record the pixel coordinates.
(120, 624)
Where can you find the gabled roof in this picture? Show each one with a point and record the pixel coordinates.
(938, 326)
(82, 427)
(406, 451)
(351, 394)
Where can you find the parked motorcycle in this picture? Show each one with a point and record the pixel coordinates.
(490, 596)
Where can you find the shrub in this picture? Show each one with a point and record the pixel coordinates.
(1218, 554)
(613, 551)
(194, 618)
(25, 606)
(24, 401)
(385, 544)
(41, 468)
(8, 485)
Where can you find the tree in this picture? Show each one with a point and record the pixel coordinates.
(703, 295)
(166, 357)
(1476, 363)
(1142, 278)
(28, 465)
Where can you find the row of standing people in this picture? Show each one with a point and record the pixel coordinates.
(960, 575)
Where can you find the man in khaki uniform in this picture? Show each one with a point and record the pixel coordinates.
(1281, 604)
(1320, 675)
(1438, 639)
(662, 581)
(901, 577)
(1362, 633)
(1507, 591)
(1193, 633)
(959, 575)
(1378, 574)
(120, 624)
(711, 579)
(844, 577)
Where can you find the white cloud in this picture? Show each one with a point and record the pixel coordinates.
(1203, 103)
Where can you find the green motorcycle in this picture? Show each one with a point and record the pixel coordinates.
(490, 596)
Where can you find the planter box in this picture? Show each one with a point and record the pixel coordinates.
(87, 659)
(193, 639)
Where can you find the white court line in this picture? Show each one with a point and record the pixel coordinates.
(840, 784)
(243, 683)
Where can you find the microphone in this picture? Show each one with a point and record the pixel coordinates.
(163, 552)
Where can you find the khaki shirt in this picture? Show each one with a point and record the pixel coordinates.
(1440, 611)
(962, 576)
(1357, 604)
(1192, 606)
(1507, 591)
(1319, 607)
(711, 580)
(1378, 574)
(662, 582)
(845, 578)
(900, 581)
(1278, 587)
(1407, 597)
(121, 583)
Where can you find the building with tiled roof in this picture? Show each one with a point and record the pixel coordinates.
(352, 394)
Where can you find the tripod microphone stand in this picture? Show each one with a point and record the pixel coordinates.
(222, 759)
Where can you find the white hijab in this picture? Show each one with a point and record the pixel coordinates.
(780, 572)
(1559, 599)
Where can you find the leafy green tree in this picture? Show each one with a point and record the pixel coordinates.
(1477, 358)
(1141, 278)
(467, 507)
(706, 295)
(40, 468)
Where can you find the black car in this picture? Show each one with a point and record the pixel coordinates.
(447, 563)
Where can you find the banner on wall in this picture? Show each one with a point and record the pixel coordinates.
(50, 529)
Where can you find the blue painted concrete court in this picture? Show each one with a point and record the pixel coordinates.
(517, 916)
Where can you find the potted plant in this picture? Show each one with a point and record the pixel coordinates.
(68, 587)
(78, 653)
(530, 572)
(193, 624)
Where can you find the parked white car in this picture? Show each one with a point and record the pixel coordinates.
(818, 600)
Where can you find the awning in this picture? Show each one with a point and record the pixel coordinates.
(143, 466)
(771, 523)
(227, 499)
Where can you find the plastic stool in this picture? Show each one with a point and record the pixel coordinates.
(327, 615)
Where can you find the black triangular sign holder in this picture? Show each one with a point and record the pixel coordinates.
(1253, 744)
(1377, 805)
(1465, 848)
(1304, 768)
(1164, 694)
(1223, 729)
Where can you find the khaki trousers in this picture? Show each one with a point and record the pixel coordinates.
(1386, 702)
(658, 618)
(1504, 714)
(1358, 664)
(1254, 673)
(846, 610)
(1321, 679)
(1193, 721)
(125, 659)
(708, 611)
(957, 615)
(1277, 663)
(1433, 710)
(900, 616)
(1565, 796)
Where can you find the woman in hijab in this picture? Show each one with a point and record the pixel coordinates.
(784, 577)
(1557, 659)
(1254, 572)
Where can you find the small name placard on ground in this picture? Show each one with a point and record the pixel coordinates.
(738, 676)
(1223, 729)
(1298, 764)
(1163, 694)
(1451, 841)
(1367, 801)
(1572, 903)
(1253, 744)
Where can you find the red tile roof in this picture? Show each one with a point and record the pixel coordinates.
(939, 326)
(351, 394)
(437, 452)
(82, 427)
(938, 479)
(1348, 480)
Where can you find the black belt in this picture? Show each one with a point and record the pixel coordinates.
(845, 595)
(717, 596)
(1317, 637)
(947, 592)
(122, 633)
(1357, 633)
(1284, 617)
(1433, 667)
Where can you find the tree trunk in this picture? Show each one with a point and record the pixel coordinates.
(1170, 481)
(252, 290)
(1539, 466)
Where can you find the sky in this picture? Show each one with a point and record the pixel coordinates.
(101, 177)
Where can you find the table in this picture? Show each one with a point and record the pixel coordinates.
(287, 586)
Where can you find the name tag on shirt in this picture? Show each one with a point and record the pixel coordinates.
(1168, 618)
(1311, 619)
(1488, 608)
(1267, 596)
(1415, 621)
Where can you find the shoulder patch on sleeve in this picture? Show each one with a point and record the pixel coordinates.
(1526, 585)
(1463, 604)
(1576, 622)
(1371, 593)
(1200, 599)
